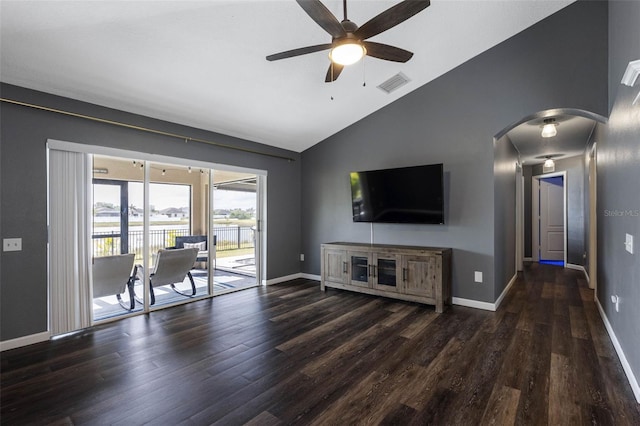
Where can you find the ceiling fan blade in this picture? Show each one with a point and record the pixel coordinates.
(386, 52)
(333, 72)
(298, 52)
(390, 18)
(323, 17)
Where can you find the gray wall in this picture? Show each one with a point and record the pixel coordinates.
(618, 165)
(574, 166)
(504, 172)
(23, 292)
(453, 120)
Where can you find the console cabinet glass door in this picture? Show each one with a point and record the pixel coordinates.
(385, 272)
(359, 269)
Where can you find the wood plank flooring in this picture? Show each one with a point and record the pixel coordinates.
(290, 354)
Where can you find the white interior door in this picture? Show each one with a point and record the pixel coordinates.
(552, 218)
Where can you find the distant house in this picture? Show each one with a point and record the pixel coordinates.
(181, 212)
(106, 212)
(136, 212)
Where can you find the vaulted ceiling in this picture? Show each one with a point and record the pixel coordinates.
(202, 63)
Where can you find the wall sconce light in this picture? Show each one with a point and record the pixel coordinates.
(548, 166)
(549, 128)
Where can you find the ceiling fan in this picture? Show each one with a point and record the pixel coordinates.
(348, 43)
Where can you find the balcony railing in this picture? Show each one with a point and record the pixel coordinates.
(228, 238)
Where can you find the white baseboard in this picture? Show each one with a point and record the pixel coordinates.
(485, 305)
(24, 341)
(311, 277)
(578, 268)
(473, 304)
(623, 359)
(282, 279)
(505, 291)
(574, 266)
(291, 277)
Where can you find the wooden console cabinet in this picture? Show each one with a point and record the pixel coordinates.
(417, 274)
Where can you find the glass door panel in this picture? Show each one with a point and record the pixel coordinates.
(360, 269)
(116, 213)
(234, 218)
(386, 272)
(177, 222)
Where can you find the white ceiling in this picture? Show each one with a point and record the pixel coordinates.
(202, 63)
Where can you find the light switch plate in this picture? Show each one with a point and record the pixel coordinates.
(628, 243)
(478, 276)
(12, 244)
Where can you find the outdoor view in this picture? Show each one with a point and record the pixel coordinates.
(178, 219)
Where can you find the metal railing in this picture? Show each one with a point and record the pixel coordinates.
(228, 238)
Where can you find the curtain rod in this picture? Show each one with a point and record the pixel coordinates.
(144, 129)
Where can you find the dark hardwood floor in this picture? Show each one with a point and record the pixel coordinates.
(290, 354)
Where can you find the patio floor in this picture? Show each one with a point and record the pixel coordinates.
(227, 277)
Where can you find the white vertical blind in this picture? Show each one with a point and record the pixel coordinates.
(69, 241)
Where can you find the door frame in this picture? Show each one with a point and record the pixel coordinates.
(519, 210)
(147, 160)
(593, 218)
(535, 216)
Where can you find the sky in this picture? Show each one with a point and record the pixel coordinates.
(163, 196)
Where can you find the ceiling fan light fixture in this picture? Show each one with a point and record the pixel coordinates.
(347, 53)
(549, 128)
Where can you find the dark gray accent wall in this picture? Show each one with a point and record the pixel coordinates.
(504, 171)
(453, 120)
(618, 164)
(24, 133)
(574, 166)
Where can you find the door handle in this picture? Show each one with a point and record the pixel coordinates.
(404, 274)
(345, 265)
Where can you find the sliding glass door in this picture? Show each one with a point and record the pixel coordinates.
(117, 236)
(185, 232)
(235, 225)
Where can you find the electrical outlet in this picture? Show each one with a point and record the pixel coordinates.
(477, 276)
(12, 244)
(301, 257)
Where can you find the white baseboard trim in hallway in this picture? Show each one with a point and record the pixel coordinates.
(623, 358)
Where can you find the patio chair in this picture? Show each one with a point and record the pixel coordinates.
(197, 241)
(112, 276)
(171, 267)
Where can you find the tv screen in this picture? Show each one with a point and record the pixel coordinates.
(401, 195)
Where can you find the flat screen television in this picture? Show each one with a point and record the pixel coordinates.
(401, 195)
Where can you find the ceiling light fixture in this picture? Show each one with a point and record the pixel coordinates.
(347, 53)
(548, 166)
(549, 128)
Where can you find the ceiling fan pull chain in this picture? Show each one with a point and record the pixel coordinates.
(364, 74)
(331, 77)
